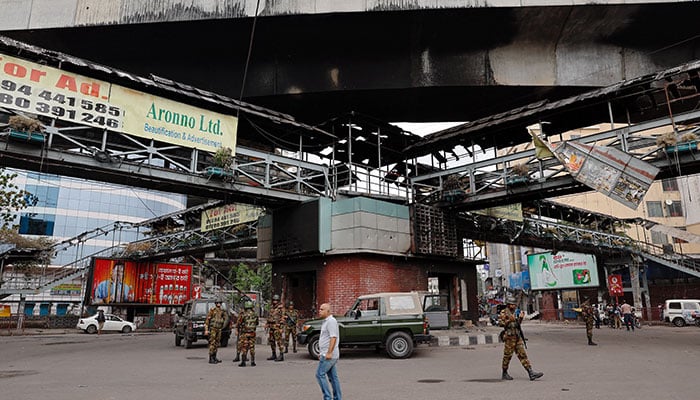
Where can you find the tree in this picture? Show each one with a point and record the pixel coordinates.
(12, 199)
(248, 279)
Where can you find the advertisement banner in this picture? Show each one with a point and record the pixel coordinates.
(67, 289)
(562, 270)
(5, 310)
(615, 285)
(228, 215)
(39, 89)
(121, 282)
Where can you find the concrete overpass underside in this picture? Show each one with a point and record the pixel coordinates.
(398, 65)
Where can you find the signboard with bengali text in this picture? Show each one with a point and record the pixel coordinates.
(228, 215)
(563, 270)
(33, 88)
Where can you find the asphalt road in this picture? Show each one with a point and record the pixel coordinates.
(657, 362)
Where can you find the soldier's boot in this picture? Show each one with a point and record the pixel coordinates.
(294, 349)
(281, 357)
(238, 357)
(591, 343)
(533, 375)
(211, 359)
(505, 376)
(252, 361)
(273, 356)
(243, 360)
(216, 360)
(286, 349)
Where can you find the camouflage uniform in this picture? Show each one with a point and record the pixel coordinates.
(513, 342)
(589, 319)
(291, 317)
(274, 326)
(247, 323)
(214, 322)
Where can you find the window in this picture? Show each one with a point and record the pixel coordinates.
(654, 209)
(677, 240)
(47, 196)
(659, 237)
(675, 209)
(36, 224)
(669, 185)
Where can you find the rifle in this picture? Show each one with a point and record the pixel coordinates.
(520, 328)
(517, 320)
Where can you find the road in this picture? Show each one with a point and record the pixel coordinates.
(656, 362)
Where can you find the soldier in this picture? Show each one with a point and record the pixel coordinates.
(290, 327)
(247, 323)
(274, 326)
(510, 320)
(589, 319)
(212, 326)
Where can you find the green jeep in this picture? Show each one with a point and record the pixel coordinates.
(394, 321)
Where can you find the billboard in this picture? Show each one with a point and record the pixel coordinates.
(228, 215)
(35, 88)
(562, 270)
(116, 281)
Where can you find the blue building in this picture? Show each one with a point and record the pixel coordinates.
(67, 207)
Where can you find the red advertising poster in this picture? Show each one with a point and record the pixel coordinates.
(120, 281)
(615, 285)
(172, 283)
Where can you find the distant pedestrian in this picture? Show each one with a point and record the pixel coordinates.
(626, 311)
(328, 354)
(100, 321)
(513, 341)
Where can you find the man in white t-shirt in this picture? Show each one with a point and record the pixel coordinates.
(328, 354)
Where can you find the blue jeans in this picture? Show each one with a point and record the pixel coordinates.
(326, 372)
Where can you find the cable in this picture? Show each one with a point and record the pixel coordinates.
(247, 60)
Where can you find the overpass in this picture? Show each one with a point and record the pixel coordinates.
(423, 60)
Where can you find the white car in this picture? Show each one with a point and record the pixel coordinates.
(112, 323)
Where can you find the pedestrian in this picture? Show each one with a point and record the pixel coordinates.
(100, 321)
(216, 318)
(328, 354)
(618, 323)
(290, 327)
(626, 311)
(596, 316)
(588, 318)
(274, 326)
(247, 324)
(513, 341)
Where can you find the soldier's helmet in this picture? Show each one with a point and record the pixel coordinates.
(276, 298)
(510, 299)
(248, 304)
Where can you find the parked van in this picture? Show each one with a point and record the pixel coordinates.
(680, 311)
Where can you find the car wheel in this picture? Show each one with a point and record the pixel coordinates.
(91, 329)
(697, 322)
(314, 347)
(399, 345)
(679, 322)
(126, 329)
(178, 340)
